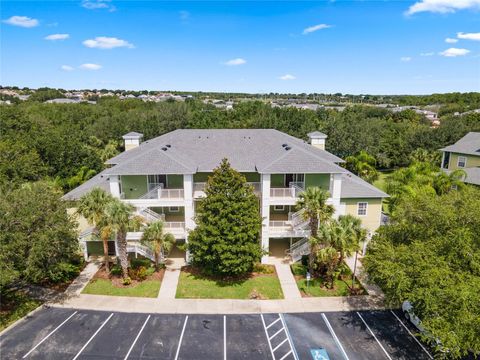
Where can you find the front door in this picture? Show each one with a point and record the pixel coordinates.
(155, 180)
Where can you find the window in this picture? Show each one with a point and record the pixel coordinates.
(174, 209)
(279, 207)
(362, 209)
(462, 161)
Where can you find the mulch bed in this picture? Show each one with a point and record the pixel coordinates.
(198, 272)
(117, 280)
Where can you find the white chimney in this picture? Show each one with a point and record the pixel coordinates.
(317, 139)
(132, 140)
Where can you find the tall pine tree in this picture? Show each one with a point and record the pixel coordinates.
(226, 239)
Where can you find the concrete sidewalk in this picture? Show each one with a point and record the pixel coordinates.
(76, 287)
(372, 289)
(287, 281)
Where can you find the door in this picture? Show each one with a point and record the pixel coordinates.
(156, 180)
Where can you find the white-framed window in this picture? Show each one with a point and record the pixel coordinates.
(462, 161)
(279, 207)
(362, 208)
(174, 209)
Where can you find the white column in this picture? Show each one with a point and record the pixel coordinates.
(336, 191)
(265, 211)
(114, 185)
(188, 206)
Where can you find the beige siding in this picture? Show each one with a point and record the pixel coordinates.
(371, 221)
(82, 222)
(472, 161)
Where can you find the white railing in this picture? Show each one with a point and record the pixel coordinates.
(199, 186)
(282, 192)
(298, 188)
(299, 249)
(279, 224)
(297, 219)
(174, 225)
(88, 233)
(171, 194)
(151, 215)
(144, 251)
(154, 193)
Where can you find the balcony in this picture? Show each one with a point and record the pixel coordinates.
(176, 228)
(284, 228)
(199, 189)
(286, 196)
(159, 196)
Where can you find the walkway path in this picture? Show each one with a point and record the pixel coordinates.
(168, 288)
(287, 281)
(76, 287)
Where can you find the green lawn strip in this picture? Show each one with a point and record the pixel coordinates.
(192, 286)
(147, 288)
(316, 286)
(15, 307)
(380, 184)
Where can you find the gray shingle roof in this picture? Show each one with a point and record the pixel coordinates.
(473, 175)
(100, 180)
(248, 150)
(354, 187)
(469, 144)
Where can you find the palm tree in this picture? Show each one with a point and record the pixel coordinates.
(313, 201)
(118, 214)
(444, 182)
(354, 235)
(158, 241)
(92, 207)
(363, 164)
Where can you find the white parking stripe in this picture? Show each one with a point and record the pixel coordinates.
(50, 334)
(266, 334)
(91, 338)
(414, 337)
(284, 356)
(371, 332)
(283, 342)
(339, 344)
(181, 337)
(273, 323)
(135, 341)
(278, 332)
(295, 355)
(224, 337)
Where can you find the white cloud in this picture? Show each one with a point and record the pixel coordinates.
(451, 41)
(103, 42)
(57, 37)
(405, 58)
(442, 6)
(90, 67)
(287, 77)
(66, 68)
(235, 62)
(314, 28)
(454, 52)
(98, 4)
(469, 36)
(23, 21)
(427, 54)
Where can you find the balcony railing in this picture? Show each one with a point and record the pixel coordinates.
(158, 192)
(199, 188)
(174, 225)
(293, 191)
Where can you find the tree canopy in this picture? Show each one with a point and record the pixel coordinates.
(226, 238)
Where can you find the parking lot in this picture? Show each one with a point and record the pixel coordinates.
(56, 333)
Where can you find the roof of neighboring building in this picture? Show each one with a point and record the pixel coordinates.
(100, 180)
(355, 187)
(201, 150)
(469, 144)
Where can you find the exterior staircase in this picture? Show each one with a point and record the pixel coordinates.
(299, 249)
(150, 215)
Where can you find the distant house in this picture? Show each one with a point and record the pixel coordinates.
(465, 155)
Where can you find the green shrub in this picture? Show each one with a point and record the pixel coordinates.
(116, 270)
(137, 263)
(63, 272)
(304, 260)
(138, 274)
(262, 269)
(150, 271)
(127, 281)
(299, 269)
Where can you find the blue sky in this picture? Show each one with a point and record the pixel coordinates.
(359, 47)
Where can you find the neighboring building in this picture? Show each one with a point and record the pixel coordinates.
(465, 155)
(165, 177)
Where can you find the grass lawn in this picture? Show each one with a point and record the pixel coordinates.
(16, 306)
(146, 288)
(316, 286)
(193, 285)
(380, 184)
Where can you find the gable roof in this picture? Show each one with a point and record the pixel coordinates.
(355, 187)
(469, 144)
(100, 180)
(189, 151)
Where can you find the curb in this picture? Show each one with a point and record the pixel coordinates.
(24, 318)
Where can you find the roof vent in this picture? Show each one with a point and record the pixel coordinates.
(284, 145)
(287, 148)
(168, 146)
(164, 149)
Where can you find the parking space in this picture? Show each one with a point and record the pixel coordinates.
(70, 334)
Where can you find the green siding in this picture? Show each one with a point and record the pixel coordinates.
(175, 181)
(320, 180)
(166, 210)
(134, 186)
(252, 177)
(286, 210)
(277, 180)
(201, 177)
